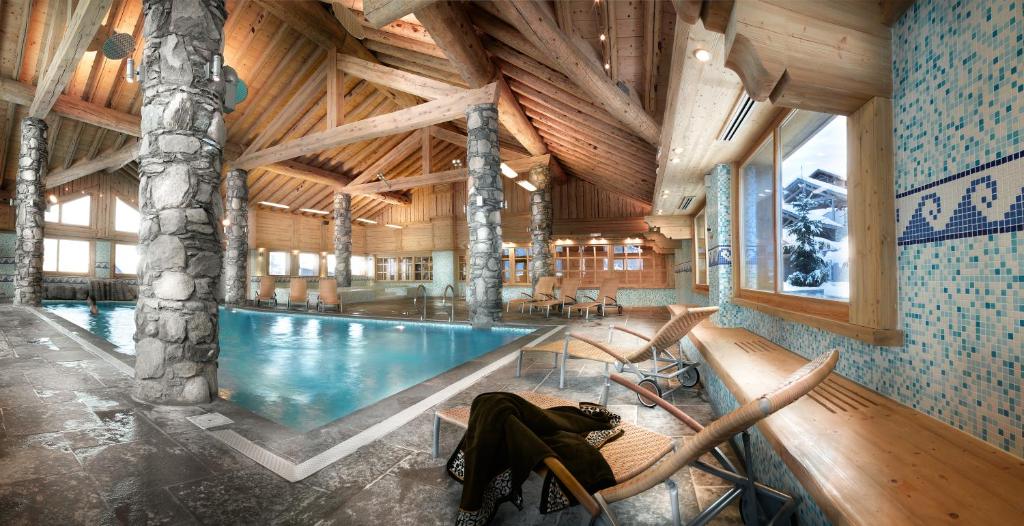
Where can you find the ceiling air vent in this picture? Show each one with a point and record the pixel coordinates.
(739, 114)
(686, 202)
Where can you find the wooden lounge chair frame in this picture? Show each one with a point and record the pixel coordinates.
(294, 287)
(665, 366)
(604, 299)
(566, 297)
(544, 290)
(333, 299)
(266, 282)
(706, 440)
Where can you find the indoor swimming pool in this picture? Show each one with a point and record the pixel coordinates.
(304, 371)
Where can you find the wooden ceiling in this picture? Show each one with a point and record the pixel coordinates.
(596, 104)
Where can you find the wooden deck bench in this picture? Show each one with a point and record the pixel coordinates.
(866, 459)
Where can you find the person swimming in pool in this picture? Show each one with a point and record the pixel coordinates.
(91, 302)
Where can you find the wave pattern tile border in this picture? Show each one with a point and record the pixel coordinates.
(987, 199)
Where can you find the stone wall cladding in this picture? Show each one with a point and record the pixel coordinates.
(541, 263)
(485, 195)
(236, 256)
(180, 159)
(343, 239)
(28, 251)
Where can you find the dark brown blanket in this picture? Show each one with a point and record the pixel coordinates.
(508, 437)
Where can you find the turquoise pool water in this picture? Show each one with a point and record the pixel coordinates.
(304, 371)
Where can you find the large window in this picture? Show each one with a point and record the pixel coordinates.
(74, 212)
(793, 207)
(309, 264)
(700, 248)
(633, 265)
(277, 263)
(361, 265)
(408, 268)
(66, 255)
(126, 259)
(516, 266)
(126, 217)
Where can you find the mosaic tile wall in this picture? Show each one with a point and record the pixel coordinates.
(685, 267)
(958, 101)
(103, 259)
(7, 241)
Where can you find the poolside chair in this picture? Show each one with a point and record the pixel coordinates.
(297, 293)
(643, 474)
(666, 366)
(606, 297)
(566, 297)
(267, 291)
(544, 290)
(328, 295)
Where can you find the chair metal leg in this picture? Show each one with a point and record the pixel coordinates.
(607, 384)
(565, 360)
(519, 365)
(673, 498)
(435, 450)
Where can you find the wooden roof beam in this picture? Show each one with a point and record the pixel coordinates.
(537, 24)
(79, 33)
(381, 12)
(72, 108)
(420, 86)
(433, 112)
(460, 139)
(109, 160)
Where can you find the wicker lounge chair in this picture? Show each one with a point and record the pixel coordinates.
(267, 291)
(566, 297)
(297, 293)
(544, 290)
(752, 494)
(328, 295)
(606, 297)
(666, 365)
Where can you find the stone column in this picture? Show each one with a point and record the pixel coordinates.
(180, 155)
(237, 255)
(483, 291)
(28, 250)
(343, 239)
(540, 224)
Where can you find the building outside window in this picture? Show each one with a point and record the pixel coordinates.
(405, 268)
(126, 217)
(309, 264)
(793, 204)
(516, 266)
(66, 255)
(126, 259)
(74, 212)
(277, 263)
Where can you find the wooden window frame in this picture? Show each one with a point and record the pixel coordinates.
(287, 271)
(113, 261)
(92, 257)
(831, 315)
(698, 287)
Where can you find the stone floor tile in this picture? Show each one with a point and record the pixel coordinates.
(706, 495)
(116, 426)
(353, 473)
(59, 379)
(48, 418)
(217, 456)
(146, 506)
(18, 395)
(35, 456)
(65, 499)
(150, 463)
(242, 497)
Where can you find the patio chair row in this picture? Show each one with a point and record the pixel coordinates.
(298, 293)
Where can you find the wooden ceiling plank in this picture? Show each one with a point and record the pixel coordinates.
(416, 117)
(107, 160)
(425, 71)
(538, 26)
(79, 33)
(399, 41)
(308, 93)
(427, 88)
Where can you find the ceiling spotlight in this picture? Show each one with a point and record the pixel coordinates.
(217, 67)
(507, 171)
(53, 199)
(607, 66)
(602, 37)
(226, 222)
(457, 163)
(674, 160)
(527, 185)
(702, 55)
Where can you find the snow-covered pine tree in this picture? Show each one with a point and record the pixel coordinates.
(810, 269)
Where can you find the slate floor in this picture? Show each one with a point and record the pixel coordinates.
(75, 449)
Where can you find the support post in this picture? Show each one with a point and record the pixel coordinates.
(28, 252)
(180, 159)
(237, 230)
(343, 239)
(540, 224)
(483, 292)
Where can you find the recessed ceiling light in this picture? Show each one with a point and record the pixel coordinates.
(527, 185)
(702, 55)
(275, 205)
(602, 37)
(370, 221)
(607, 66)
(507, 171)
(677, 150)
(311, 211)
(674, 160)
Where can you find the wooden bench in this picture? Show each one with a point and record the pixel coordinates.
(864, 458)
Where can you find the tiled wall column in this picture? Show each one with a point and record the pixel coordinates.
(180, 159)
(236, 212)
(483, 293)
(343, 239)
(28, 252)
(719, 208)
(540, 224)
